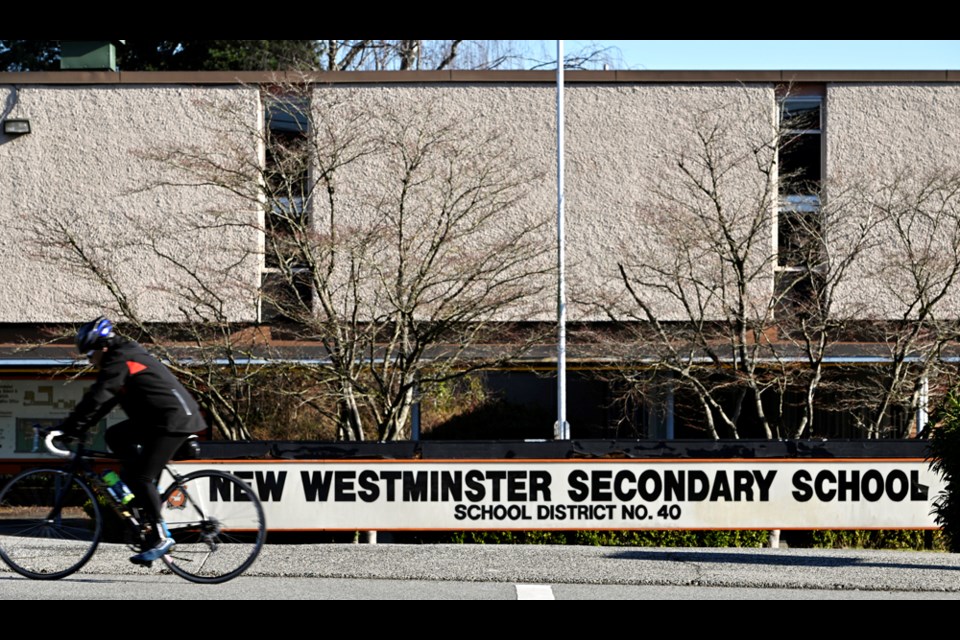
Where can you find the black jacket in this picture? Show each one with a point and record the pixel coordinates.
(144, 388)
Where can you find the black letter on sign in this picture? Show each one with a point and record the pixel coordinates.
(801, 481)
(270, 485)
(316, 485)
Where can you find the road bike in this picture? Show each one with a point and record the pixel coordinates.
(52, 519)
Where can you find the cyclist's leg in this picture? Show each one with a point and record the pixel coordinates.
(145, 452)
(124, 440)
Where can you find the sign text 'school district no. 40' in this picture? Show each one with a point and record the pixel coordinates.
(588, 494)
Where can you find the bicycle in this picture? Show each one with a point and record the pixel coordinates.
(52, 519)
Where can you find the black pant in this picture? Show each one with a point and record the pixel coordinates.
(143, 451)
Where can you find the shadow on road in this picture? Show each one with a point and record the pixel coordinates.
(782, 559)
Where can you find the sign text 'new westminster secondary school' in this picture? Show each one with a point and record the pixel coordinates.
(337, 495)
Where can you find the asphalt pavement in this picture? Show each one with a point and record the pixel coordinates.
(761, 568)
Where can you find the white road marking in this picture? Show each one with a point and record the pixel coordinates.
(534, 592)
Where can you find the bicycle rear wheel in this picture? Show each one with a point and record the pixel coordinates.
(50, 524)
(218, 524)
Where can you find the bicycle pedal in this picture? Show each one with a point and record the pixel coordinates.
(143, 563)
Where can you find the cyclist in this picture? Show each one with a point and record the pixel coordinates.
(161, 416)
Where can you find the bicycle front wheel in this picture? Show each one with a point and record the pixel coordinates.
(50, 524)
(218, 524)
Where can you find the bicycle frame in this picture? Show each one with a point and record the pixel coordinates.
(80, 465)
(214, 542)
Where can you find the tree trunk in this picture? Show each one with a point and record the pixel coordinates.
(351, 423)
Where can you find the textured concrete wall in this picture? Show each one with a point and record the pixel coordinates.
(899, 145)
(83, 176)
(621, 150)
(629, 201)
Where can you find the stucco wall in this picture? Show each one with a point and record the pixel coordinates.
(84, 169)
(629, 201)
(893, 142)
(621, 149)
(83, 176)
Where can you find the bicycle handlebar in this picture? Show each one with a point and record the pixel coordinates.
(49, 437)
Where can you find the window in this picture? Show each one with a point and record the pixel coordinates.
(800, 162)
(287, 125)
(799, 228)
(800, 146)
(285, 291)
(285, 224)
(285, 296)
(797, 231)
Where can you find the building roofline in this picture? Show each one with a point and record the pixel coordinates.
(466, 76)
(15, 358)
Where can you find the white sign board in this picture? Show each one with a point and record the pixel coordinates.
(618, 494)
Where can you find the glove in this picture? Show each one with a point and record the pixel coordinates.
(70, 433)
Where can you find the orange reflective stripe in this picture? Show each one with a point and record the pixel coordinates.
(135, 367)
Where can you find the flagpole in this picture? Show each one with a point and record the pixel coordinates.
(562, 429)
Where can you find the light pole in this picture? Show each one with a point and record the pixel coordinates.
(562, 428)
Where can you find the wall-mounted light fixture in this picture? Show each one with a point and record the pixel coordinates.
(16, 127)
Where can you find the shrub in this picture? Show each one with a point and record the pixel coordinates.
(901, 540)
(671, 538)
(945, 458)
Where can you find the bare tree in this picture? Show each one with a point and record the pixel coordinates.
(378, 55)
(315, 55)
(395, 242)
(821, 244)
(200, 347)
(719, 307)
(142, 254)
(382, 55)
(747, 289)
(699, 304)
(411, 246)
(914, 282)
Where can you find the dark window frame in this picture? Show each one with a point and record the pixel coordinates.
(286, 127)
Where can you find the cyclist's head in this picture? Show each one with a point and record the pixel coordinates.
(95, 335)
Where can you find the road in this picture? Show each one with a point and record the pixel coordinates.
(522, 572)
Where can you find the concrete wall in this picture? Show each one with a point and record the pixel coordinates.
(629, 201)
(621, 151)
(83, 177)
(898, 145)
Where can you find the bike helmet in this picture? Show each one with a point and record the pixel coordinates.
(94, 335)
